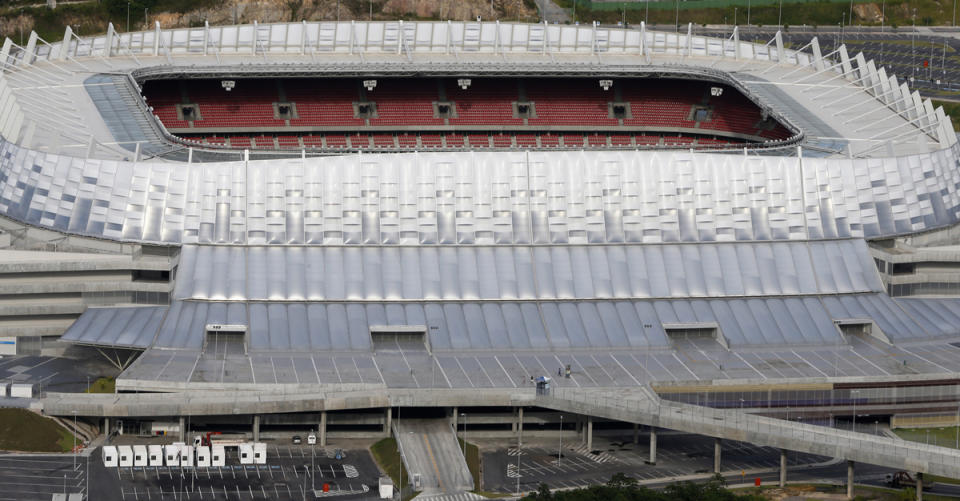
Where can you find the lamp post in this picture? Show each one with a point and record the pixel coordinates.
(748, 12)
(519, 453)
(780, 17)
(74, 440)
(560, 448)
(128, 16)
(463, 416)
(854, 392)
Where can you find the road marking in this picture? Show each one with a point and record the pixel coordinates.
(434, 462)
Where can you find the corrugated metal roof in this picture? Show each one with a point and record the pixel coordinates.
(462, 273)
(506, 325)
(128, 327)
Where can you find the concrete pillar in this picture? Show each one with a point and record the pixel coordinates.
(106, 426)
(456, 414)
(653, 446)
(323, 427)
(183, 431)
(783, 467)
(388, 418)
(256, 428)
(589, 433)
(716, 455)
(849, 479)
(513, 425)
(636, 434)
(519, 427)
(919, 486)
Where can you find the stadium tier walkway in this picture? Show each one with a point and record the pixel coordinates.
(642, 406)
(430, 448)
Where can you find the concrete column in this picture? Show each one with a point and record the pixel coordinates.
(106, 426)
(513, 425)
(589, 433)
(519, 427)
(456, 414)
(256, 428)
(716, 455)
(388, 418)
(849, 479)
(653, 446)
(919, 486)
(636, 434)
(323, 428)
(783, 467)
(183, 431)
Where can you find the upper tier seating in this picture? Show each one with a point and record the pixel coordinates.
(679, 110)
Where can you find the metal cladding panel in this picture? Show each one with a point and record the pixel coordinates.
(892, 319)
(470, 273)
(556, 325)
(483, 198)
(130, 327)
(937, 316)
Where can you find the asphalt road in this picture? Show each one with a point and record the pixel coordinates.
(292, 473)
(678, 455)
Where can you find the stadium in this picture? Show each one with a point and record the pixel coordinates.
(318, 223)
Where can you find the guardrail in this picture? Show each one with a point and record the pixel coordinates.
(760, 430)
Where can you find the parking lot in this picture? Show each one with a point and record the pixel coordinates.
(35, 477)
(677, 455)
(291, 473)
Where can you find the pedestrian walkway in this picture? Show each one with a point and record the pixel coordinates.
(643, 407)
(460, 496)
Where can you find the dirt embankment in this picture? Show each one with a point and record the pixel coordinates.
(271, 11)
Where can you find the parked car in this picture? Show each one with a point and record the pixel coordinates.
(297, 440)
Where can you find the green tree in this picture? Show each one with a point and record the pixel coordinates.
(622, 481)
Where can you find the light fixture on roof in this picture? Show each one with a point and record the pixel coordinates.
(370, 84)
(606, 84)
(228, 85)
(716, 91)
(464, 83)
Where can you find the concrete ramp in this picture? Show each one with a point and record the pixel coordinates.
(430, 448)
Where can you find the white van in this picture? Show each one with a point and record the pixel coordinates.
(155, 453)
(260, 453)
(139, 455)
(125, 456)
(203, 456)
(109, 456)
(246, 453)
(186, 455)
(218, 456)
(172, 453)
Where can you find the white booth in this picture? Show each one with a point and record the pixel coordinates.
(186, 455)
(155, 453)
(109, 453)
(203, 455)
(140, 455)
(218, 456)
(246, 453)
(260, 453)
(172, 453)
(125, 455)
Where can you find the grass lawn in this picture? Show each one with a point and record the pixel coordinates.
(473, 462)
(103, 385)
(22, 430)
(387, 456)
(944, 436)
(952, 109)
(865, 493)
